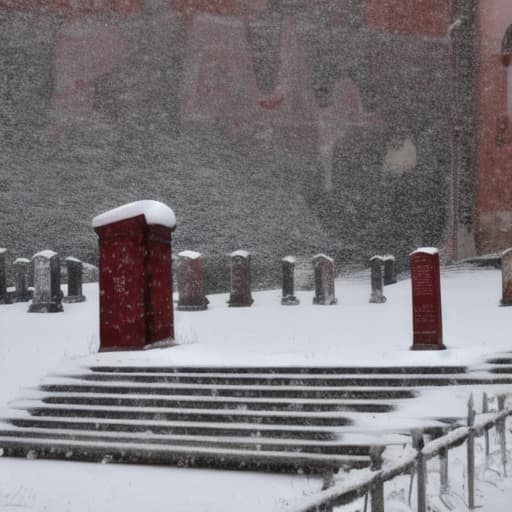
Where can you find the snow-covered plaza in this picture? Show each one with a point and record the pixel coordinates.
(351, 333)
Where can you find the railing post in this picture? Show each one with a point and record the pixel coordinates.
(377, 489)
(502, 434)
(443, 469)
(421, 470)
(485, 409)
(328, 481)
(471, 455)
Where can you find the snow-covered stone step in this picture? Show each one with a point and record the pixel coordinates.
(398, 425)
(23, 420)
(320, 370)
(244, 443)
(501, 368)
(56, 384)
(143, 453)
(214, 402)
(37, 408)
(310, 380)
(505, 359)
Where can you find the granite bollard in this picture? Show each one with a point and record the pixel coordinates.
(376, 268)
(4, 296)
(506, 278)
(389, 269)
(323, 268)
(426, 300)
(47, 296)
(288, 266)
(21, 276)
(74, 270)
(240, 294)
(136, 309)
(191, 282)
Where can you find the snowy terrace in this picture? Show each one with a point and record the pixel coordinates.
(351, 333)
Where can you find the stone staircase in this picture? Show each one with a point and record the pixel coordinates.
(282, 419)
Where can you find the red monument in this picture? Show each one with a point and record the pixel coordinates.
(136, 310)
(426, 300)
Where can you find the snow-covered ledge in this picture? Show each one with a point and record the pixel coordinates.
(155, 213)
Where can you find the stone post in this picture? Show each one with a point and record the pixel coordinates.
(377, 488)
(389, 269)
(288, 298)
(323, 268)
(426, 300)
(191, 282)
(74, 270)
(21, 272)
(136, 309)
(506, 278)
(421, 471)
(471, 455)
(376, 266)
(4, 296)
(47, 297)
(240, 295)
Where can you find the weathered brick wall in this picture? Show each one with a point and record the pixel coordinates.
(276, 126)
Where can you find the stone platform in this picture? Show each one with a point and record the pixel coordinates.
(278, 419)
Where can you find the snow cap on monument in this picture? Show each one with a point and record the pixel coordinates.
(426, 250)
(155, 213)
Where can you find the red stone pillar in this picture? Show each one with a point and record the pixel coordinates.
(506, 278)
(240, 295)
(136, 309)
(426, 300)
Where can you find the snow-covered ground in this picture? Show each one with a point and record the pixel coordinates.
(353, 332)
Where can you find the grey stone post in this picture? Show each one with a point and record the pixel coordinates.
(376, 266)
(74, 270)
(288, 298)
(389, 269)
(323, 268)
(21, 276)
(4, 296)
(47, 296)
(240, 295)
(191, 282)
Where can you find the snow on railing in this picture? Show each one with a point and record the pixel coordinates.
(371, 481)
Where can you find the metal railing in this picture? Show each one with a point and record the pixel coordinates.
(372, 484)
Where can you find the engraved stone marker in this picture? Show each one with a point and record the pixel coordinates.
(191, 282)
(323, 268)
(4, 296)
(426, 300)
(389, 269)
(377, 266)
(21, 273)
(74, 268)
(288, 298)
(47, 297)
(506, 278)
(136, 309)
(240, 295)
